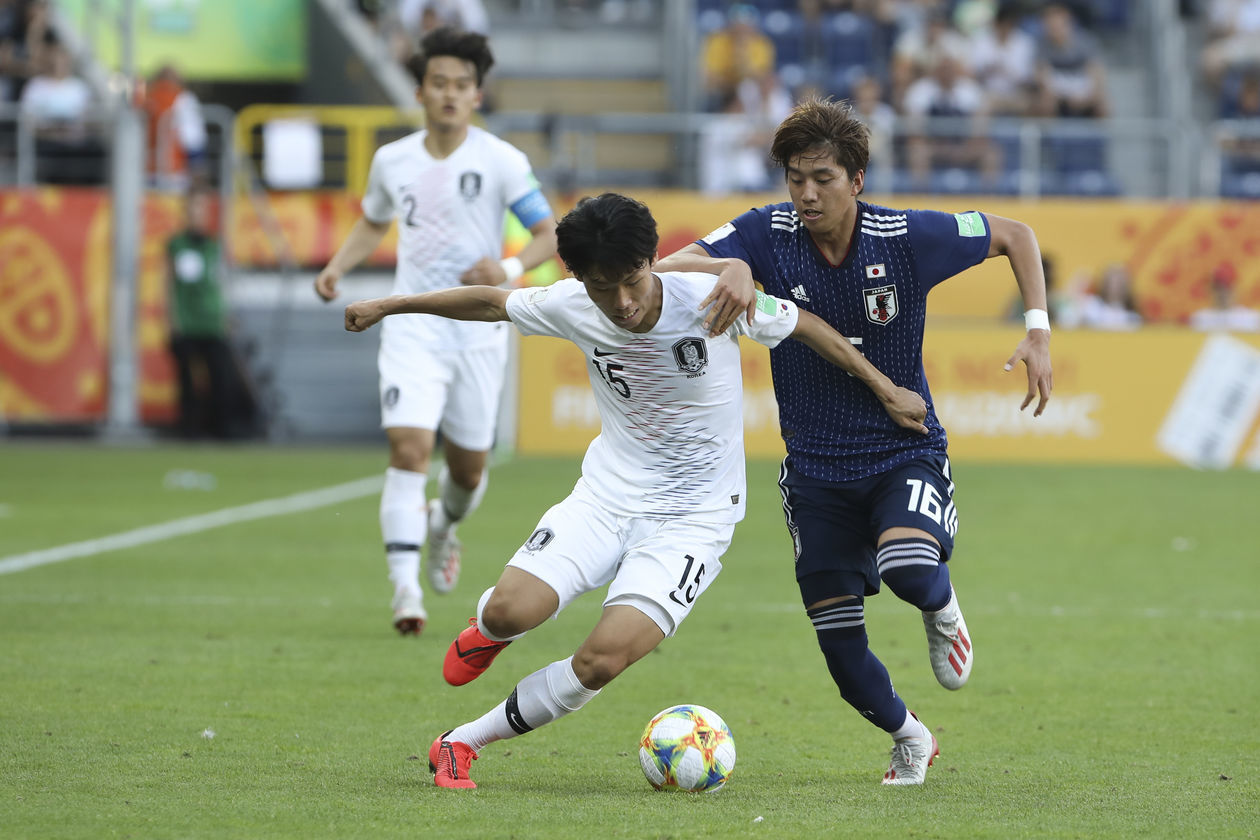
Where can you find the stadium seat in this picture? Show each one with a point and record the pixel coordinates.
(786, 30)
(1240, 177)
(1087, 183)
(709, 21)
(849, 40)
(1112, 14)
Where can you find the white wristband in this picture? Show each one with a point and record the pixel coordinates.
(513, 268)
(1036, 319)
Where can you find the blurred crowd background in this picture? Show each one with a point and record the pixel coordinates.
(1126, 131)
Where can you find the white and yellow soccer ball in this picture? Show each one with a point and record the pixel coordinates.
(687, 748)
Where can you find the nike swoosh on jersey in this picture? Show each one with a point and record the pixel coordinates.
(599, 354)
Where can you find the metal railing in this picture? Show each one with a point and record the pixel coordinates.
(1137, 158)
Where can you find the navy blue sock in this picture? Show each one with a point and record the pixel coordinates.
(862, 678)
(914, 572)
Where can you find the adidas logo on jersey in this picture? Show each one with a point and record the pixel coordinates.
(800, 294)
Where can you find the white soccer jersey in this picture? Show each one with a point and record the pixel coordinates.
(450, 214)
(670, 400)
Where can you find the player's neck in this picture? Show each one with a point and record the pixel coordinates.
(834, 243)
(442, 142)
(654, 307)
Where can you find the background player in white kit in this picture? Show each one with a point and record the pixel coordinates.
(662, 486)
(449, 187)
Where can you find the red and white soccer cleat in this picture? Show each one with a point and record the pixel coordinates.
(949, 644)
(470, 655)
(911, 757)
(449, 762)
(444, 555)
(409, 614)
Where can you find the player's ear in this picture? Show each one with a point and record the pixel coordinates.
(859, 182)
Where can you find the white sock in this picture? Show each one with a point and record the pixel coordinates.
(545, 695)
(481, 625)
(455, 502)
(403, 525)
(912, 728)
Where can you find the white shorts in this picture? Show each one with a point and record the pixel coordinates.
(659, 567)
(457, 392)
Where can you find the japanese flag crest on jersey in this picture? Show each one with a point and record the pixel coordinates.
(881, 304)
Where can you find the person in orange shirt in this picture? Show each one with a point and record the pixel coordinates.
(177, 130)
(737, 52)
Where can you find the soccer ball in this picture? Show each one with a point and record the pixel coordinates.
(687, 748)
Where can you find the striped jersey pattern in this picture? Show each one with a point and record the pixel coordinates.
(832, 425)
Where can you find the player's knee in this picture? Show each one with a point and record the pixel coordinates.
(409, 454)
(597, 668)
(507, 617)
(467, 477)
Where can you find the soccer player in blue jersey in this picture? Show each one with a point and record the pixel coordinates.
(866, 501)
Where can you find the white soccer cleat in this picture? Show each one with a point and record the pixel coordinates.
(949, 644)
(409, 614)
(911, 757)
(442, 564)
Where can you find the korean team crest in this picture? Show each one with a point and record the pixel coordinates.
(539, 539)
(470, 185)
(691, 355)
(881, 304)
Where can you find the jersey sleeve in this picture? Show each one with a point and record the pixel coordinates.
(540, 310)
(377, 204)
(946, 244)
(746, 237)
(776, 320)
(521, 191)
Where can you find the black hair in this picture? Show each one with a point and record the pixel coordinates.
(608, 237)
(466, 46)
(822, 123)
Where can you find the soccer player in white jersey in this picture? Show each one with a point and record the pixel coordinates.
(449, 186)
(864, 501)
(662, 486)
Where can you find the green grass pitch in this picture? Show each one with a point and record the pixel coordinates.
(1116, 690)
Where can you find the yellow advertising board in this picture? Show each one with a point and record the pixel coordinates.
(1169, 249)
(1115, 395)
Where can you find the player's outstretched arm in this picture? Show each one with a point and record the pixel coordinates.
(360, 242)
(462, 303)
(734, 294)
(905, 407)
(1017, 242)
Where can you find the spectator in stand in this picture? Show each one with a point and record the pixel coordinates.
(1003, 58)
(420, 17)
(1242, 150)
(881, 120)
(918, 48)
(735, 158)
(24, 36)
(1234, 37)
(177, 130)
(738, 51)
(1225, 315)
(67, 151)
(1113, 307)
(1072, 80)
(949, 92)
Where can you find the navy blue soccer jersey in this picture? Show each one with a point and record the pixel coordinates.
(834, 428)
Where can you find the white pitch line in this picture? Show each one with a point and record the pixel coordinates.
(194, 524)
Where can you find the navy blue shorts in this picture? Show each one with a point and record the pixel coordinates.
(835, 525)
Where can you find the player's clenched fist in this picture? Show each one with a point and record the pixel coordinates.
(363, 314)
(326, 284)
